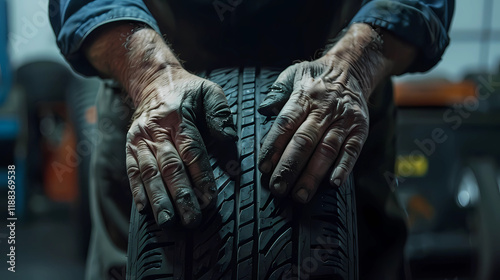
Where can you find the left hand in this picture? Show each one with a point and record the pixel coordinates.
(323, 124)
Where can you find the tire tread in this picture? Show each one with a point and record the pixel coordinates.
(250, 234)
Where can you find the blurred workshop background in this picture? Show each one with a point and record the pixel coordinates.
(447, 171)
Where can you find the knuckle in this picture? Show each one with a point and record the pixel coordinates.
(304, 98)
(184, 196)
(133, 172)
(148, 171)
(352, 149)
(305, 140)
(137, 193)
(133, 134)
(285, 123)
(328, 150)
(204, 180)
(143, 150)
(160, 134)
(349, 109)
(130, 135)
(139, 125)
(172, 167)
(344, 166)
(157, 198)
(191, 154)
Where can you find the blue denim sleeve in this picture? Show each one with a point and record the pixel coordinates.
(73, 20)
(423, 23)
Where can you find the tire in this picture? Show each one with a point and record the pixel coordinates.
(80, 96)
(250, 234)
(486, 177)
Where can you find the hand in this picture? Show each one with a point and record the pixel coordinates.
(324, 117)
(167, 161)
(323, 124)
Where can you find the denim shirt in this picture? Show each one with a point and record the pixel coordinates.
(423, 23)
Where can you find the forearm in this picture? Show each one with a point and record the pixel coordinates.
(371, 55)
(132, 55)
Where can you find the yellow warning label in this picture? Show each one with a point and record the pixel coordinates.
(411, 165)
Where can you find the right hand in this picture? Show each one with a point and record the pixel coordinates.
(167, 162)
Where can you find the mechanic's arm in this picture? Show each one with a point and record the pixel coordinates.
(167, 162)
(322, 104)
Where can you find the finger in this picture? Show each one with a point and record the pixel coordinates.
(218, 118)
(297, 154)
(135, 180)
(175, 177)
(160, 202)
(280, 92)
(280, 134)
(347, 157)
(193, 153)
(323, 158)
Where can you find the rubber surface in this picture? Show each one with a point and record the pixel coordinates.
(250, 234)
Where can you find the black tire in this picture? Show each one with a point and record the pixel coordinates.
(250, 234)
(486, 175)
(80, 96)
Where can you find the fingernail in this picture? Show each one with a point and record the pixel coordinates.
(303, 195)
(164, 217)
(336, 182)
(230, 131)
(139, 207)
(279, 186)
(268, 100)
(266, 166)
(334, 179)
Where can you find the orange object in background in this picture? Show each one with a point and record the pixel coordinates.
(433, 93)
(60, 164)
(419, 208)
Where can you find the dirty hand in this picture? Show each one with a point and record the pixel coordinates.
(323, 122)
(167, 161)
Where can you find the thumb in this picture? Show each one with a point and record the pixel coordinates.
(279, 93)
(218, 117)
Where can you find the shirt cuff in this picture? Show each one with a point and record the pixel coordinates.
(91, 16)
(412, 22)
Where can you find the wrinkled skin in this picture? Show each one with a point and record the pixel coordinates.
(319, 133)
(320, 129)
(167, 162)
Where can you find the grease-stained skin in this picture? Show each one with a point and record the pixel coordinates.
(165, 150)
(319, 132)
(323, 116)
(323, 124)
